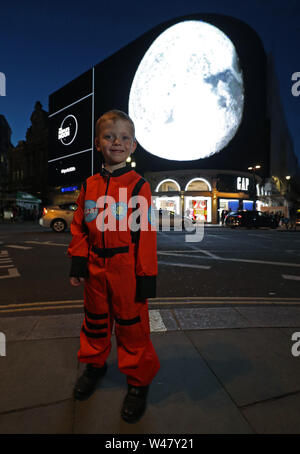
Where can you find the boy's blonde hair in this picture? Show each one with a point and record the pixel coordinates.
(114, 115)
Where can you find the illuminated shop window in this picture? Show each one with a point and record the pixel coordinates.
(168, 185)
(168, 203)
(187, 95)
(198, 184)
(198, 208)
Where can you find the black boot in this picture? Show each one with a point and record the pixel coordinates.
(86, 384)
(134, 404)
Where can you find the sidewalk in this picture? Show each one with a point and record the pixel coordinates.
(223, 370)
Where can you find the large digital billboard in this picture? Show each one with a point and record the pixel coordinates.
(71, 132)
(196, 89)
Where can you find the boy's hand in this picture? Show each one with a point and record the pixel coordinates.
(76, 281)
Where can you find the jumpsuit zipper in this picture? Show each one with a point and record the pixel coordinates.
(103, 241)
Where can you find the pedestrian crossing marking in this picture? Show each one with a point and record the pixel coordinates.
(12, 272)
(156, 321)
(5, 262)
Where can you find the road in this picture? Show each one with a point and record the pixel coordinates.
(227, 265)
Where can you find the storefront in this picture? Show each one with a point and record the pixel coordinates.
(203, 195)
(21, 205)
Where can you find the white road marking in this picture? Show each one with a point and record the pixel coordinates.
(12, 272)
(210, 254)
(15, 246)
(260, 236)
(262, 262)
(291, 277)
(4, 261)
(184, 265)
(156, 321)
(46, 243)
(203, 251)
(221, 237)
(214, 257)
(177, 254)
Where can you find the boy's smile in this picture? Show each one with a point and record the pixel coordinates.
(116, 143)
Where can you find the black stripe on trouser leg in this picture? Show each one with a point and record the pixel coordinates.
(128, 322)
(90, 325)
(95, 316)
(94, 335)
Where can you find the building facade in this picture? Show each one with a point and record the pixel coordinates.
(24, 167)
(27, 169)
(205, 186)
(5, 148)
(204, 194)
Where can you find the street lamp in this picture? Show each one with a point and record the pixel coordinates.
(288, 187)
(253, 170)
(132, 162)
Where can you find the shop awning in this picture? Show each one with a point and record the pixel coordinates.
(25, 197)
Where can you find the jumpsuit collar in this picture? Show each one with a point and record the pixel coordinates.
(115, 173)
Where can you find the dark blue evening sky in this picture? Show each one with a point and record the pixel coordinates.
(45, 44)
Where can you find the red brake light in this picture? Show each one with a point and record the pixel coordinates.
(44, 211)
(239, 216)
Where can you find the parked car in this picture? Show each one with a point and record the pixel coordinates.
(244, 218)
(58, 217)
(298, 217)
(166, 218)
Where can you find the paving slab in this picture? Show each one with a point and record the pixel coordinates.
(219, 374)
(210, 318)
(37, 372)
(17, 328)
(290, 331)
(185, 397)
(270, 316)
(50, 419)
(252, 364)
(169, 320)
(279, 416)
(57, 326)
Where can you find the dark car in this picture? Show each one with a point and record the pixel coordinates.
(244, 218)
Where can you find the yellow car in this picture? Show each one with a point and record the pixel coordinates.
(58, 217)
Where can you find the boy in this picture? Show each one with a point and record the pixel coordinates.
(118, 267)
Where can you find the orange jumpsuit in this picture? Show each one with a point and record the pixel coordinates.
(120, 268)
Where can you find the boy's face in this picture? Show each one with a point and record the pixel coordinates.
(115, 141)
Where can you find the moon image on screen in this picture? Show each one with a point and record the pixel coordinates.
(187, 95)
